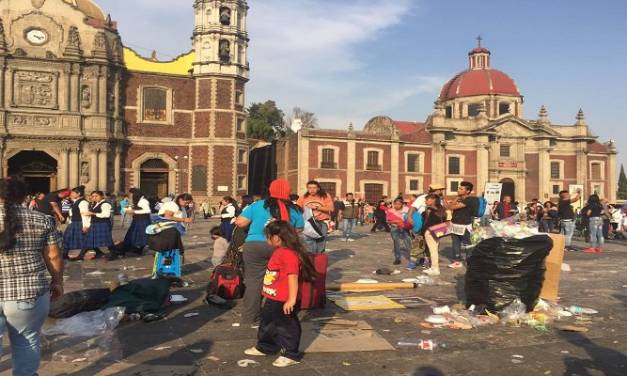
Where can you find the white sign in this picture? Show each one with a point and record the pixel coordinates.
(573, 191)
(492, 192)
(223, 188)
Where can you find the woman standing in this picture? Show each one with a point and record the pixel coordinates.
(175, 211)
(99, 234)
(434, 215)
(29, 250)
(80, 220)
(397, 218)
(549, 216)
(228, 212)
(257, 251)
(595, 213)
(321, 204)
(136, 238)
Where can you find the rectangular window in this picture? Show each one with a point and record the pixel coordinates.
(596, 189)
(454, 186)
(330, 188)
(414, 185)
(448, 112)
(328, 158)
(199, 178)
(595, 171)
(240, 125)
(473, 109)
(374, 192)
(241, 182)
(503, 108)
(155, 104)
(413, 162)
(556, 189)
(555, 170)
(373, 161)
(241, 156)
(505, 151)
(454, 167)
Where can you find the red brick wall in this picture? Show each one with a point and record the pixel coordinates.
(606, 185)
(224, 167)
(470, 165)
(292, 153)
(182, 127)
(359, 157)
(224, 124)
(204, 93)
(340, 159)
(135, 151)
(532, 189)
(183, 88)
(225, 95)
(201, 128)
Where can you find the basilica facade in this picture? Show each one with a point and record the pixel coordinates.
(78, 107)
(476, 133)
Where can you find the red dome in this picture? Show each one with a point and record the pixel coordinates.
(479, 82)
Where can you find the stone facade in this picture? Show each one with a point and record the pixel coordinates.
(475, 133)
(79, 108)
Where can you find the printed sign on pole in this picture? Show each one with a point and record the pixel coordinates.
(492, 192)
(573, 188)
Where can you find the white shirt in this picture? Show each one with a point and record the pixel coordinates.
(83, 207)
(144, 207)
(617, 215)
(174, 208)
(420, 203)
(105, 209)
(229, 211)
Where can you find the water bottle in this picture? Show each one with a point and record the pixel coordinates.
(581, 310)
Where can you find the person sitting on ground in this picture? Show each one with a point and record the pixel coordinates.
(220, 246)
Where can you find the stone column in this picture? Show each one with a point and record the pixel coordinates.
(303, 162)
(74, 169)
(117, 188)
(483, 163)
(544, 167)
(438, 163)
(75, 88)
(63, 173)
(102, 171)
(350, 165)
(93, 170)
(581, 163)
(612, 182)
(394, 170)
(2, 172)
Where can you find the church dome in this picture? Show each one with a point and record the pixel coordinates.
(88, 7)
(479, 79)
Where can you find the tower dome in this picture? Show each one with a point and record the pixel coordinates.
(88, 7)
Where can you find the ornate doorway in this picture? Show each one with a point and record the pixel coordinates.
(153, 179)
(37, 168)
(509, 189)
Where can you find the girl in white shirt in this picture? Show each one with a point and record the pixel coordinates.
(136, 238)
(99, 234)
(80, 221)
(228, 212)
(176, 211)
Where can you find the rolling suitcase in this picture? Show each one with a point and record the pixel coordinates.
(167, 264)
(313, 294)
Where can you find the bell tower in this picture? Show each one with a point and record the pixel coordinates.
(220, 38)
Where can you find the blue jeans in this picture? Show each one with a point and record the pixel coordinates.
(400, 238)
(24, 320)
(348, 224)
(317, 245)
(596, 232)
(567, 228)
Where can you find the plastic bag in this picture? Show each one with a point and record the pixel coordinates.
(515, 313)
(87, 324)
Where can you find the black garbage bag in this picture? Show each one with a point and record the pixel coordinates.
(501, 270)
(144, 295)
(76, 302)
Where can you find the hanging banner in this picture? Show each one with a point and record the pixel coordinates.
(573, 188)
(492, 192)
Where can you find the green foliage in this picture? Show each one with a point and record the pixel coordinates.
(622, 185)
(265, 121)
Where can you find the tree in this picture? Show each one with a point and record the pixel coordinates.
(308, 119)
(622, 184)
(265, 121)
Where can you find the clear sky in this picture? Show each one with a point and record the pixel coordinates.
(349, 60)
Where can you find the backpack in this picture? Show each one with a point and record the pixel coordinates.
(227, 282)
(418, 221)
(312, 227)
(482, 205)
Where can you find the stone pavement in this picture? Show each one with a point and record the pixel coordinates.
(163, 348)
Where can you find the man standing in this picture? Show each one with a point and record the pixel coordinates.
(566, 215)
(348, 216)
(51, 204)
(419, 204)
(464, 209)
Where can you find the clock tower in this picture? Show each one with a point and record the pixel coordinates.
(220, 69)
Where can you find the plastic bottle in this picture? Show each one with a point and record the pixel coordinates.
(423, 344)
(581, 310)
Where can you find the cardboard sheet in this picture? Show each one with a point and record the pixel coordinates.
(365, 303)
(341, 336)
(550, 288)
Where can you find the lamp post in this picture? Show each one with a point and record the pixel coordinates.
(179, 171)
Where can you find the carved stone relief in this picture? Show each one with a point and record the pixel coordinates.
(84, 172)
(85, 96)
(35, 89)
(37, 121)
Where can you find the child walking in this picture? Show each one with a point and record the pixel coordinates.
(279, 329)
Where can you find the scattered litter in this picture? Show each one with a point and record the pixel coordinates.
(582, 310)
(213, 358)
(383, 271)
(436, 319)
(247, 362)
(196, 351)
(396, 272)
(426, 325)
(425, 331)
(161, 348)
(547, 372)
(78, 360)
(386, 330)
(517, 361)
(422, 344)
(191, 314)
(518, 356)
(97, 272)
(566, 267)
(565, 352)
(178, 299)
(367, 281)
(365, 303)
(572, 328)
(235, 324)
(345, 363)
(441, 310)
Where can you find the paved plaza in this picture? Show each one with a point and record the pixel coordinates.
(210, 344)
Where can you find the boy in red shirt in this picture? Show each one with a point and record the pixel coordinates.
(279, 329)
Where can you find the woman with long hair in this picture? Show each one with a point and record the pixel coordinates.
(228, 212)
(175, 211)
(321, 205)
(136, 238)
(594, 213)
(29, 251)
(257, 252)
(434, 215)
(100, 231)
(80, 221)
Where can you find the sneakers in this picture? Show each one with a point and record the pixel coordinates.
(282, 362)
(456, 265)
(592, 250)
(254, 352)
(411, 265)
(432, 272)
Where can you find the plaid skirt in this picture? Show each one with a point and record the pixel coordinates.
(99, 235)
(73, 237)
(136, 235)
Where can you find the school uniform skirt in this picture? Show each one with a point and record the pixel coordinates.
(99, 235)
(136, 236)
(227, 229)
(73, 236)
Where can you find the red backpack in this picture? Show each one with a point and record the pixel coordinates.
(227, 282)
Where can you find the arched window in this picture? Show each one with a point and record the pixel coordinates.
(449, 112)
(155, 106)
(225, 16)
(503, 108)
(225, 51)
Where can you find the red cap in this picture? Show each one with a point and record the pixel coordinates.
(280, 188)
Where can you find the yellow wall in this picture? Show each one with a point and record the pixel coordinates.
(180, 66)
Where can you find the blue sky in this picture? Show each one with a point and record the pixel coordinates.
(349, 60)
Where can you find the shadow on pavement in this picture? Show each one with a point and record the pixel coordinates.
(603, 359)
(428, 371)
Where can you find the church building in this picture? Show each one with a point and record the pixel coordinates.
(476, 133)
(78, 107)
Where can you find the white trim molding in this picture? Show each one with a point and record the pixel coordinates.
(408, 189)
(336, 155)
(561, 164)
(462, 164)
(380, 157)
(602, 168)
(421, 161)
(169, 107)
